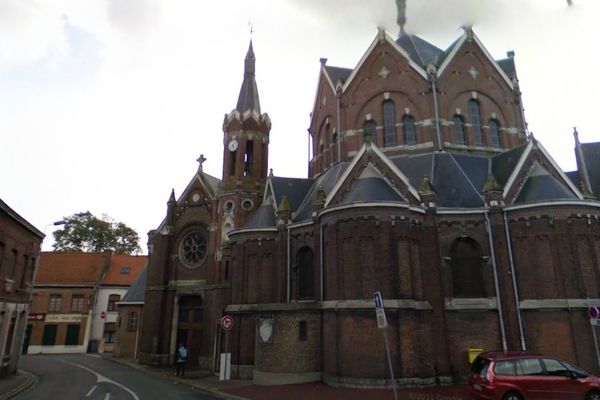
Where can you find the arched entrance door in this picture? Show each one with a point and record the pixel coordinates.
(189, 327)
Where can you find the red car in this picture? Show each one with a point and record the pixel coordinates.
(527, 376)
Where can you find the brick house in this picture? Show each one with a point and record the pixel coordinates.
(130, 310)
(20, 244)
(123, 271)
(425, 185)
(70, 309)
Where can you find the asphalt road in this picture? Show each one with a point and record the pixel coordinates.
(82, 377)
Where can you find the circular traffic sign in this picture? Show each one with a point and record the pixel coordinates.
(102, 315)
(593, 312)
(227, 322)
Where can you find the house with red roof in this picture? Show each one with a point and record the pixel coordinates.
(72, 291)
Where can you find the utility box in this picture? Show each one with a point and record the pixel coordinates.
(472, 354)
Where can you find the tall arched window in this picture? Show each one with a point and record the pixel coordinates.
(248, 158)
(467, 277)
(305, 281)
(389, 123)
(475, 122)
(410, 134)
(459, 129)
(370, 129)
(495, 133)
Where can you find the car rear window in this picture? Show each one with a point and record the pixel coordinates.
(504, 367)
(529, 366)
(479, 364)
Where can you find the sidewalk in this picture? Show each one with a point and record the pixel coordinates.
(245, 389)
(14, 384)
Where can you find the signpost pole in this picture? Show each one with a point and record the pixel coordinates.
(594, 314)
(226, 325)
(382, 324)
(593, 323)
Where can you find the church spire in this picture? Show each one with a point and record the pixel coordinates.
(248, 99)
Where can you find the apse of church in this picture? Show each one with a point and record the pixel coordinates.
(423, 184)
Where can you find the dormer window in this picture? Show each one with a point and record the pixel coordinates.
(389, 123)
(495, 133)
(410, 135)
(459, 129)
(475, 122)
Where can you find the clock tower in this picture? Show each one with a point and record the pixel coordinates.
(245, 155)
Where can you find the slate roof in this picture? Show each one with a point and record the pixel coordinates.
(591, 156)
(504, 164)
(295, 189)
(137, 291)
(420, 51)
(325, 181)
(212, 182)
(248, 98)
(541, 186)
(338, 73)
(263, 217)
(508, 66)
(371, 187)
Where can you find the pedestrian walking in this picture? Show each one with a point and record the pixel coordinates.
(181, 359)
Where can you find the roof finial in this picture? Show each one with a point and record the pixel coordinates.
(576, 134)
(401, 6)
(200, 160)
(251, 29)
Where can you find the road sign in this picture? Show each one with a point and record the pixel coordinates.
(380, 312)
(36, 317)
(595, 322)
(102, 315)
(593, 312)
(227, 322)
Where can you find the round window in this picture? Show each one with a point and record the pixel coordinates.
(192, 249)
(247, 204)
(228, 205)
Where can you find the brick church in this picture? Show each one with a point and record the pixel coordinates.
(424, 184)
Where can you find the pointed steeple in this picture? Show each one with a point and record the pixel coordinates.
(248, 99)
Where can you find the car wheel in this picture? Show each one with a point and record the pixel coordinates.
(593, 395)
(512, 396)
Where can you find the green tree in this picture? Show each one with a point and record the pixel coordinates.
(85, 232)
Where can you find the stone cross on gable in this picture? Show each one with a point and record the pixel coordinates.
(200, 160)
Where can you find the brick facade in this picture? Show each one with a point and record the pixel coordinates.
(473, 234)
(20, 244)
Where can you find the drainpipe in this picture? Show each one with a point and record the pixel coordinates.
(338, 94)
(496, 283)
(321, 258)
(514, 281)
(288, 263)
(431, 70)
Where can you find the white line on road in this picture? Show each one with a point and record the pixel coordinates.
(102, 378)
(107, 396)
(91, 391)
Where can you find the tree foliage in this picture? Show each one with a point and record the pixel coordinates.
(85, 232)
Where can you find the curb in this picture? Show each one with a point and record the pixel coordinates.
(200, 388)
(22, 387)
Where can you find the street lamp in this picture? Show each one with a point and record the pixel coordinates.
(55, 223)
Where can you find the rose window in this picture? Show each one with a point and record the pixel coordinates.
(192, 249)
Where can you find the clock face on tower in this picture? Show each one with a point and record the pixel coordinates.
(233, 145)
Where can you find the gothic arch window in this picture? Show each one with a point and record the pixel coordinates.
(495, 133)
(389, 123)
(305, 274)
(248, 158)
(410, 134)
(475, 119)
(459, 129)
(370, 129)
(467, 276)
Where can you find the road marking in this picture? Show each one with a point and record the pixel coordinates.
(102, 378)
(107, 396)
(91, 391)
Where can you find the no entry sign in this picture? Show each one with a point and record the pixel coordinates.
(227, 322)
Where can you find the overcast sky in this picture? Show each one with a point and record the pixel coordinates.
(106, 104)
